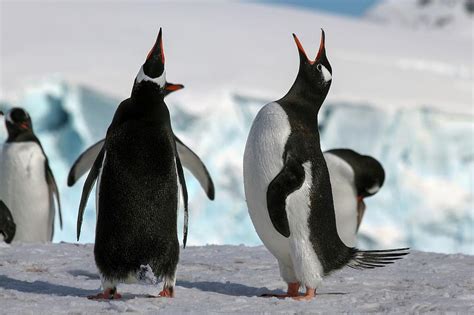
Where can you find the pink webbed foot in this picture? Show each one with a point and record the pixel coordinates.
(108, 294)
(168, 293)
(292, 291)
(309, 295)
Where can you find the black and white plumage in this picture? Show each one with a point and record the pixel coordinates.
(7, 224)
(288, 188)
(27, 184)
(139, 174)
(354, 177)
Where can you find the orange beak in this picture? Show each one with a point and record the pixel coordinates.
(171, 87)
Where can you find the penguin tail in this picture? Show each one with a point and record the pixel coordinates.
(370, 259)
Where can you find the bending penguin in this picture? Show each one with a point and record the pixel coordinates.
(27, 185)
(189, 159)
(353, 177)
(139, 175)
(288, 188)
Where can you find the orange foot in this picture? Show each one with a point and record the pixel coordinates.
(309, 295)
(291, 292)
(168, 292)
(108, 294)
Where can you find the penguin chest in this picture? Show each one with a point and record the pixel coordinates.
(263, 160)
(24, 190)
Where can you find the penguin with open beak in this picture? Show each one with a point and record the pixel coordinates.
(139, 176)
(288, 188)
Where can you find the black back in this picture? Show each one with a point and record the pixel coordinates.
(368, 172)
(138, 190)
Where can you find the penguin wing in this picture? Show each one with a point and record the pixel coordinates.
(84, 162)
(193, 163)
(189, 160)
(88, 185)
(53, 192)
(290, 178)
(7, 225)
(182, 183)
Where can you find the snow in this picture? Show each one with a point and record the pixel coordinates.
(404, 97)
(453, 16)
(56, 278)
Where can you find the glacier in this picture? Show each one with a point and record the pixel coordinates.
(426, 201)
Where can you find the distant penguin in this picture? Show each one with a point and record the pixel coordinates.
(288, 189)
(139, 176)
(7, 225)
(27, 184)
(189, 159)
(353, 177)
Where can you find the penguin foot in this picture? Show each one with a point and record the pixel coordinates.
(108, 294)
(168, 292)
(309, 295)
(292, 291)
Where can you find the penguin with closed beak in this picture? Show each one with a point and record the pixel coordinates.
(139, 175)
(28, 188)
(288, 188)
(354, 177)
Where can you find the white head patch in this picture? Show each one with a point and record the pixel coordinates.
(373, 189)
(160, 81)
(8, 117)
(326, 74)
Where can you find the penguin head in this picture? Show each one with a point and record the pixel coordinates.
(18, 121)
(315, 75)
(152, 73)
(372, 178)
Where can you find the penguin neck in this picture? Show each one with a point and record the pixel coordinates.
(150, 100)
(305, 93)
(21, 136)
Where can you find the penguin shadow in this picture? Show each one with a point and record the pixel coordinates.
(42, 287)
(84, 274)
(227, 288)
(236, 289)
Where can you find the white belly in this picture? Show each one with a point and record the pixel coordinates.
(24, 190)
(262, 162)
(345, 198)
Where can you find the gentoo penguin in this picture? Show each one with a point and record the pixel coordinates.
(353, 177)
(189, 159)
(138, 174)
(27, 184)
(7, 225)
(288, 189)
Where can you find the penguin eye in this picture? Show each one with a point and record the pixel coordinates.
(319, 67)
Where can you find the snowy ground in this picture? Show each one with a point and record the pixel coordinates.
(56, 278)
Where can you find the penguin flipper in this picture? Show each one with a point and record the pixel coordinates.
(84, 162)
(7, 224)
(53, 192)
(193, 163)
(86, 190)
(182, 183)
(290, 178)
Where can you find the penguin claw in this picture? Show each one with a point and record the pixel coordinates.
(106, 295)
